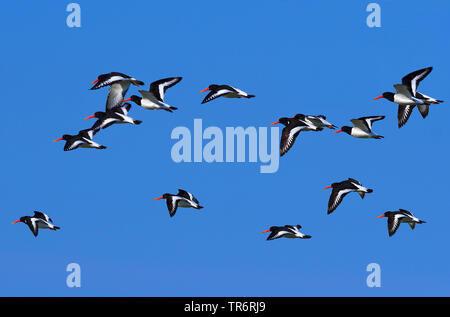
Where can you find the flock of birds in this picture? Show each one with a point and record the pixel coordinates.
(117, 109)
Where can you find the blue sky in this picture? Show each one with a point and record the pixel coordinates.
(314, 57)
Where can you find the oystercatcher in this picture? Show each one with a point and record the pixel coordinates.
(113, 116)
(226, 91)
(83, 139)
(343, 188)
(154, 98)
(182, 199)
(38, 221)
(291, 130)
(287, 231)
(362, 128)
(319, 121)
(397, 217)
(119, 86)
(407, 96)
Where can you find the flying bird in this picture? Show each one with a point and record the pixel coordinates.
(226, 91)
(38, 221)
(343, 188)
(119, 84)
(114, 116)
(362, 128)
(290, 132)
(287, 231)
(407, 96)
(319, 121)
(154, 98)
(395, 218)
(83, 139)
(182, 199)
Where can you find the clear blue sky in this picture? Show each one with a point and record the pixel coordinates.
(314, 57)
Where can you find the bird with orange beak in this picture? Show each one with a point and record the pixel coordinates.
(38, 221)
(119, 84)
(83, 140)
(290, 132)
(287, 231)
(341, 189)
(183, 199)
(407, 96)
(395, 218)
(216, 91)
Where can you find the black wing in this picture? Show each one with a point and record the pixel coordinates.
(288, 137)
(404, 112)
(172, 205)
(32, 224)
(159, 87)
(393, 223)
(38, 214)
(413, 79)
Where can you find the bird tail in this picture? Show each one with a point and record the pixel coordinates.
(250, 96)
(137, 121)
(378, 137)
(306, 236)
(101, 147)
(56, 228)
(199, 207)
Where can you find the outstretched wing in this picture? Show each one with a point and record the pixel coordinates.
(216, 94)
(365, 123)
(41, 215)
(116, 93)
(412, 80)
(288, 137)
(172, 204)
(393, 223)
(278, 233)
(336, 198)
(32, 224)
(404, 112)
(159, 87)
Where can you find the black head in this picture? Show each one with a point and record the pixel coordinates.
(285, 121)
(65, 137)
(387, 95)
(165, 196)
(345, 129)
(386, 214)
(135, 99)
(23, 219)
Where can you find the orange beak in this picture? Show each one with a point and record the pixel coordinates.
(381, 216)
(337, 131)
(158, 198)
(57, 140)
(90, 117)
(266, 231)
(327, 187)
(274, 123)
(129, 99)
(16, 221)
(378, 97)
(94, 81)
(204, 90)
